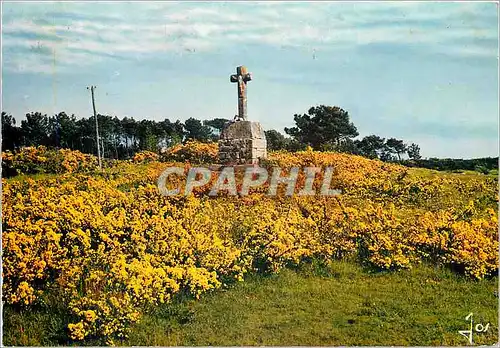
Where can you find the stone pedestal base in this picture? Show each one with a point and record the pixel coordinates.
(242, 142)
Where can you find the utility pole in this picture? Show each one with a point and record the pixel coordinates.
(103, 148)
(96, 126)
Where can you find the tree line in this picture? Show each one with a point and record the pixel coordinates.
(328, 128)
(483, 165)
(120, 138)
(323, 128)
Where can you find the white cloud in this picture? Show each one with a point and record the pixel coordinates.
(125, 29)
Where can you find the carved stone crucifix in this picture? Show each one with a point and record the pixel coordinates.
(242, 77)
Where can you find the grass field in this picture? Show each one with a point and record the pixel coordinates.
(338, 304)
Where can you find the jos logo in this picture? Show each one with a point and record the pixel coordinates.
(478, 328)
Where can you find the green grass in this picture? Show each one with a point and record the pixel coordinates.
(39, 176)
(493, 173)
(337, 305)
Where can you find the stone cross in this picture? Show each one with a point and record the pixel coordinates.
(242, 77)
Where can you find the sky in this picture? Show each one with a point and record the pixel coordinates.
(424, 72)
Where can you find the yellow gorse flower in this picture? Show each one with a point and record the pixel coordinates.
(109, 246)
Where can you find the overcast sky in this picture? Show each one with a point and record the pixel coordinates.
(422, 72)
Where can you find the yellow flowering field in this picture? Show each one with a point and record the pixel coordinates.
(39, 159)
(107, 246)
(192, 151)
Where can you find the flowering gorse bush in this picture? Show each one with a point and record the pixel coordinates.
(110, 246)
(145, 156)
(192, 152)
(32, 160)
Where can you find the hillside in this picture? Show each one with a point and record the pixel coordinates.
(105, 249)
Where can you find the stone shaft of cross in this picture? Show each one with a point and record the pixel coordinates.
(242, 77)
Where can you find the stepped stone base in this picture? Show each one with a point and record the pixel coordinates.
(242, 142)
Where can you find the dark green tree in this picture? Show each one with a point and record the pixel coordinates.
(130, 134)
(395, 146)
(371, 146)
(116, 138)
(217, 125)
(294, 146)
(173, 132)
(63, 130)
(322, 126)
(275, 140)
(35, 129)
(106, 133)
(414, 151)
(11, 135)
(86, 135)
(195, 130)
(347, 145)
(148, 138)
